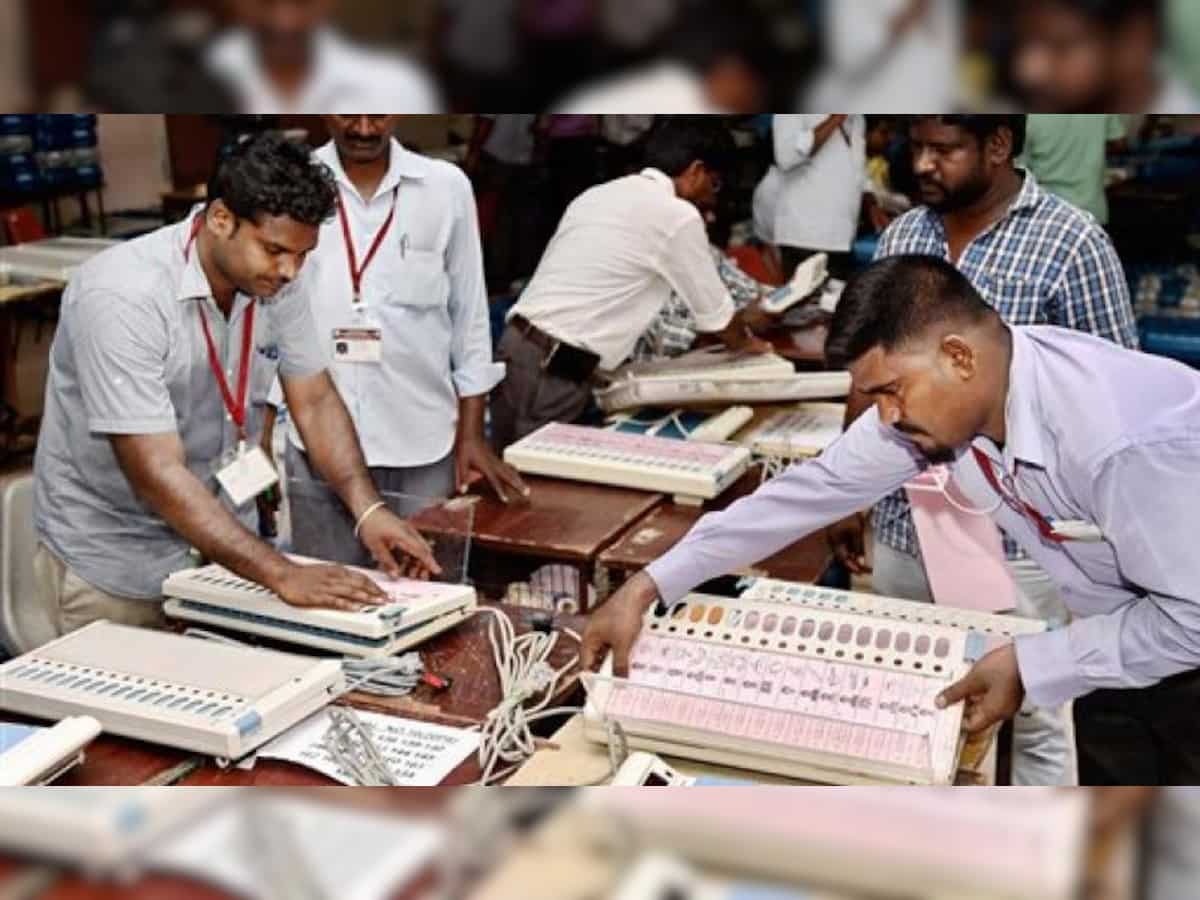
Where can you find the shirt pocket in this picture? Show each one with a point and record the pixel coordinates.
(1017, 298)
(416, 281)
(264, 363)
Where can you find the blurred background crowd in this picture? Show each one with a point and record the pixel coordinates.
(600, 56)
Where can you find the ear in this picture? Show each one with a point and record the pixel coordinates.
(694, 171)
(220, 219)
(959, 357)
(998, 146)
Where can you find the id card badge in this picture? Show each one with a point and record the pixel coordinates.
(359, 344)
(245, 473)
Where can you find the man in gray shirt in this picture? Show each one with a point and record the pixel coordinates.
(165, 351)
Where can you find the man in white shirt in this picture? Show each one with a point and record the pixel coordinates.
(889, 56)
(810, 199)
(621, 249)
(283, 57)
(715, 62)
(399, 301)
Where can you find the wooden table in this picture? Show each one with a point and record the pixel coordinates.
(462, 654)
(569, 522)
(664, 526)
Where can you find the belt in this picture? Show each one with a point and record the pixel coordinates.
(533, 334)
(558, 357)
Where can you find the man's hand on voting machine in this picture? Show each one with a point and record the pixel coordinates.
(328, 586)
(395, 545)
(992, 690)
(617, 624)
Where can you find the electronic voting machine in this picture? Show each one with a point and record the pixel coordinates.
(933, 844)
(33, 755)
(193, 694)
(416, 611)
(817, 685)
(717, 377)
(693, 471)
(798, 433)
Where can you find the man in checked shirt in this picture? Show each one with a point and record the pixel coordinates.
(1035, 259)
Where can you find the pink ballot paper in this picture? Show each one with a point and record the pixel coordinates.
(963, 554)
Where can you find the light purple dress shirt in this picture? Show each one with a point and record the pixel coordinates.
(1095, 433)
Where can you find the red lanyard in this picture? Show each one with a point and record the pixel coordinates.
(1016, 503)
(235, 408)
(357, 272)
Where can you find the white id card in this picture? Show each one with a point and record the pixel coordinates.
(247, 475)
(360, 344)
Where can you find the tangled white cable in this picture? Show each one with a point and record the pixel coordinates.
(527, 684)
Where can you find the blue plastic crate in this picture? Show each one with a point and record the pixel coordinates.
(1174, 337)
(65, 120)
(14, 124)
(20, 181)
(86, 176)
(11, 162)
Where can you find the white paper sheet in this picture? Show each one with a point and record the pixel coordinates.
(350, 854)
(420, 754)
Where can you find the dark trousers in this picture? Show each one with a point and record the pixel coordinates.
(1141, 736)
(791, 257)
(530, 397)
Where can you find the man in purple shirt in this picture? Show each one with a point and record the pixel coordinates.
(1086, 453)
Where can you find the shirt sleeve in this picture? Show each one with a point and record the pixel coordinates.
(472, 368)
(1115, 128)
(1093, 295)
(301, 353)
(794, 136)
(866, 463)
(688, 266)
(121, 346)
(1152, 527)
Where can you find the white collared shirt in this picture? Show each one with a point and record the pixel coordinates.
(661, 88)
(345, 78)
(129, 357)
(870, 70)
(425, 290)
(812, 199)
(619, 252)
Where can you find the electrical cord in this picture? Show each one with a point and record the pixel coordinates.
(391, 676)
(527, 684)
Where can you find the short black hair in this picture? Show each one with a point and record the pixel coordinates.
(982, 126)
(678, 141)
(895, 300)
(269, 174)
(1112, 13)
(716, 30)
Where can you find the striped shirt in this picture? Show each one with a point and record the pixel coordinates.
(1045, 262)
(674, 331)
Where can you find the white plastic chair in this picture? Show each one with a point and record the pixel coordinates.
(24, 625)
